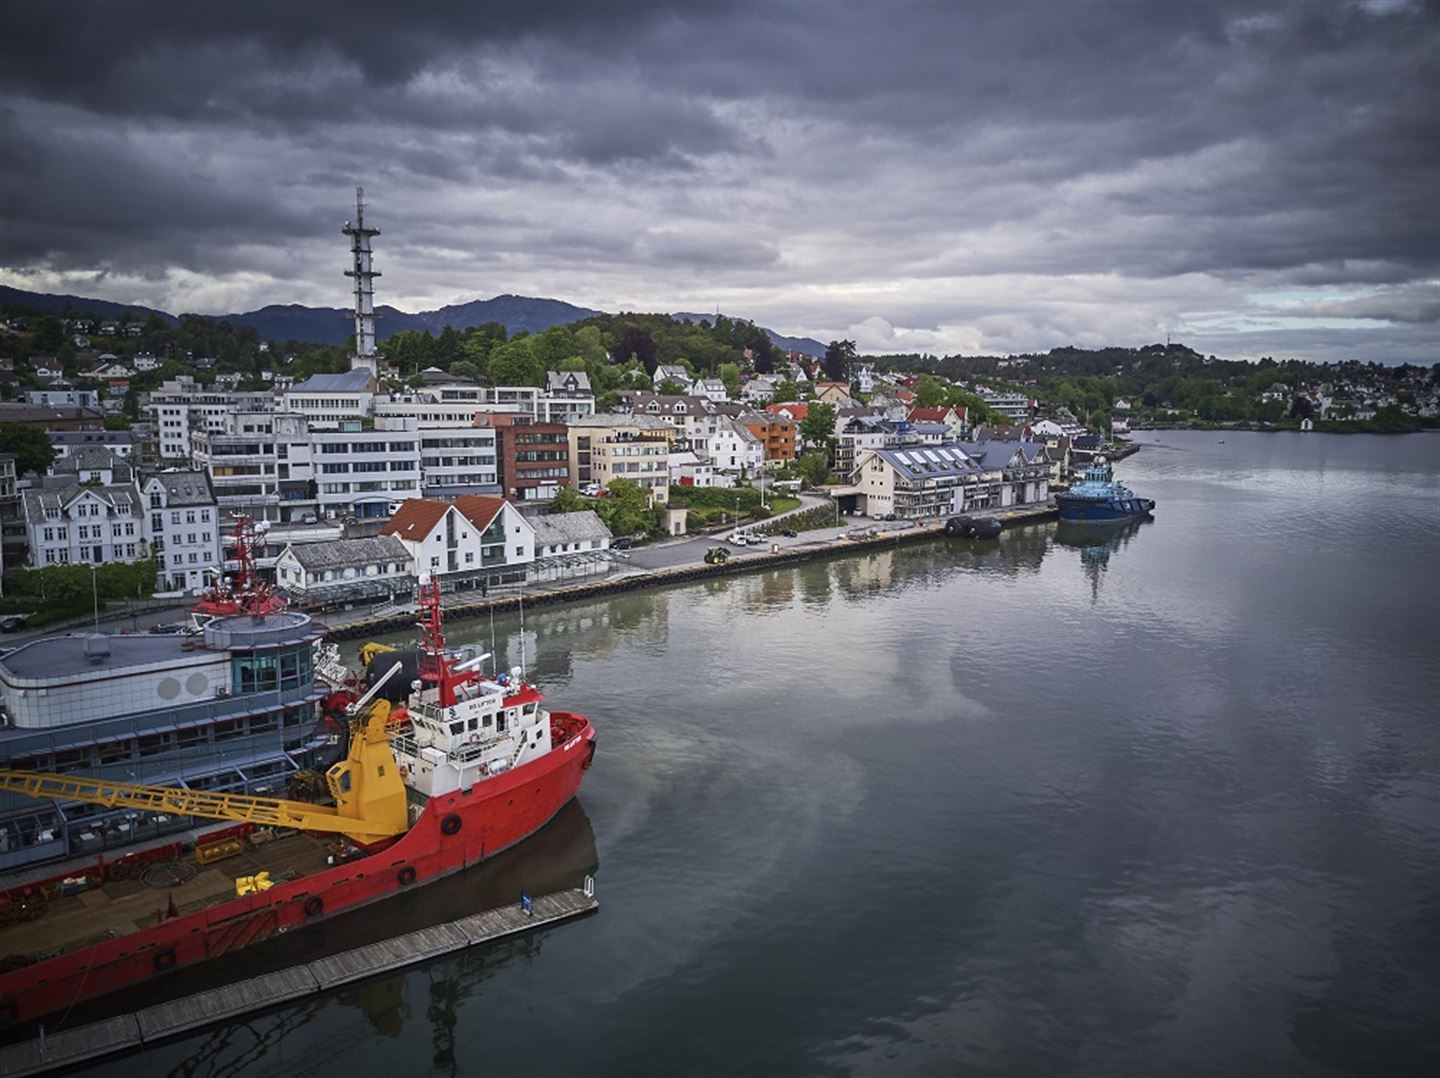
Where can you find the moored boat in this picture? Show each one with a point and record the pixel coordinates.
(1098, 499)
(467, 766)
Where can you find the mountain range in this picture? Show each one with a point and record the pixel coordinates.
(333, 325)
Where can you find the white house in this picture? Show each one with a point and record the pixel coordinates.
(758, 390)
(570, 544)
(731, 449)
(712, 388)
(84, 524)
(473, 541)
(379, 567)
(184, 527)
(689, 470)
(673, 372)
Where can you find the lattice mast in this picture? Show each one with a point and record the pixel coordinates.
(361, 269)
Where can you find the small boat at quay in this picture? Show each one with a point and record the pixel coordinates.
(1099, 499)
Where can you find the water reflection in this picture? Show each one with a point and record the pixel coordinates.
(1096, 543)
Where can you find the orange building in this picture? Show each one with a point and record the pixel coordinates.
(776, 434)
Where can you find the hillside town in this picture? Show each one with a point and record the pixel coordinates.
(358, 481)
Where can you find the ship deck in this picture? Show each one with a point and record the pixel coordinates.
(119, 907)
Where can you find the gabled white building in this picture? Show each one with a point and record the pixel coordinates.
(183, 528)
(471, 542)
(711, 388)
(85, 525)
(758, 390)
(732, 448)
(379, 567)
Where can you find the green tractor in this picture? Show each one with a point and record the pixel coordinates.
(716, 555)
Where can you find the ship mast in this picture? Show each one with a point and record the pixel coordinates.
(434, 666)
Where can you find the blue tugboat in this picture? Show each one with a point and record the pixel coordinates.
(1098, 499)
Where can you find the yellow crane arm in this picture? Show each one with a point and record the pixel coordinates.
(369, 651)
(262, 811)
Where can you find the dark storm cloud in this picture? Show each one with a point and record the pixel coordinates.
(767, 149)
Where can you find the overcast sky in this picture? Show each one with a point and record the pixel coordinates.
(947, 177)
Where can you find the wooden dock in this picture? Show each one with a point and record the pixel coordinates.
(131, 1031)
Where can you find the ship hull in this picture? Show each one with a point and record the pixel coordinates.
(454, 831)
(1102, 511)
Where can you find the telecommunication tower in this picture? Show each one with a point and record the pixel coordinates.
(365, 357)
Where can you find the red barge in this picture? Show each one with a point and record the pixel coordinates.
(462, 766)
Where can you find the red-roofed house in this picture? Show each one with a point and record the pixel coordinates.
(471, 541)
(956, 418)
(790, 410)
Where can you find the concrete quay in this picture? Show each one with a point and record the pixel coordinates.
(859, 538)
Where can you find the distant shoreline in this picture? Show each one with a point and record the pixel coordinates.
(1329, 428)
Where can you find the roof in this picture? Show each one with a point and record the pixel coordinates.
(115, 495)
(997, 454)
(928, 415)
(479, 509)
(348, 553)
(90, 458)
(182, 487)
(357, 381)
(929, 461)
(562, 380)
(558, 529)
(797, 411)
(607, 419)
(417, 517)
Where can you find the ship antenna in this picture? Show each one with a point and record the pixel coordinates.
(493, 652)
(522, 637)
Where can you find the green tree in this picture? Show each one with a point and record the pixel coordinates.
(567, 500)
(928, 392)
(669, 387)
(729, 373)
(813, 468)
(838, 357)
(464, 368)
(589, 344)
(31, 446)
(786, 391)
(514, 364)
(818, 426)
(627, 509)
(48, 336)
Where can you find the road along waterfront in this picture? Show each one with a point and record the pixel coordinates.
(1162, 801)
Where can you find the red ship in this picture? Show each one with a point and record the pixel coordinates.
(466, 766)
(245, 593)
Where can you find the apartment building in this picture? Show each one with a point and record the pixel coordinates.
(363, 469)
(607, 447)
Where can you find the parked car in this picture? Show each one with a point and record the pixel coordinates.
(890, 516)
(789, 533)
(590, 490)
(624, 542)
(737, 538)
(12, 624)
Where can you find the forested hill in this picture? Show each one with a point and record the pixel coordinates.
(1168, 377)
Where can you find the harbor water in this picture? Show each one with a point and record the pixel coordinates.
(1161, 800)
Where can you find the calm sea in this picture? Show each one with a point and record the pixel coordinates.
(1162, 803)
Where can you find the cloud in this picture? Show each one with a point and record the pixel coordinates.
(940, 176)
